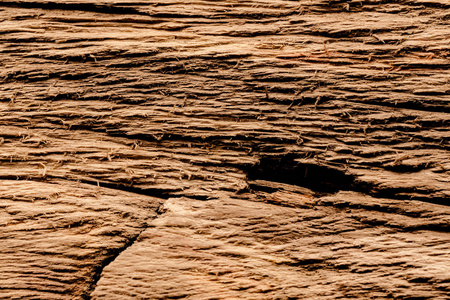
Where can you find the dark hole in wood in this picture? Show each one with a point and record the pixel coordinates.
(321, 179)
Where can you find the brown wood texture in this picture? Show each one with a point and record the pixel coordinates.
(224, 149)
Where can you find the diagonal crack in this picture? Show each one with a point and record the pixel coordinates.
(98, 271)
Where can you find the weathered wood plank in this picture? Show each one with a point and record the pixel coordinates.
(114, 106)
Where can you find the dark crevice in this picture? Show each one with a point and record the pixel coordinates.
(431, 225)
(151, 192)
(320, 179)
(365, 4)
(325, 180)
(409, 194)
(404, 228)
(88, 7)
(158, 193)
(411, 104)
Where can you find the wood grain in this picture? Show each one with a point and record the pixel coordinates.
(109, 108)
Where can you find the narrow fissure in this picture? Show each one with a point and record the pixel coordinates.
(98, 271)
(87, 7)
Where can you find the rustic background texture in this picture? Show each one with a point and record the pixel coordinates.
(224, 149)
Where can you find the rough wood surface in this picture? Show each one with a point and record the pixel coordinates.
(300, 148)
(332, 248)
